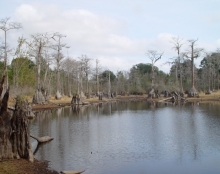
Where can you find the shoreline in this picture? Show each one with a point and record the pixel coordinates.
(213, 98)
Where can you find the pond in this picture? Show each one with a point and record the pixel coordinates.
(131, 137)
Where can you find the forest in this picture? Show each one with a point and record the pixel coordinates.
(40, 68)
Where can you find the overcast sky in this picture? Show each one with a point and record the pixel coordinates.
(118, 32)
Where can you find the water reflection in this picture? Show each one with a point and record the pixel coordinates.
(126, 137)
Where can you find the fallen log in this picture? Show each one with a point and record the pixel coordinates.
(85, 103)
(42, 139)
(163, 100)
(179, 97)
(72, 172)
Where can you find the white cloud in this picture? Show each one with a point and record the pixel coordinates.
(27, 13)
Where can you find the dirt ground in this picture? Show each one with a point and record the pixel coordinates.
(24, 167)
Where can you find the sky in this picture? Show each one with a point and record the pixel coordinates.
(118, 32)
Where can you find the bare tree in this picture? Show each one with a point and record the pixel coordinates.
(69, 65)
(109, 84)
(21, 52)
(154, 56)
(191, 54)
(178, 43)
(218, 63)
(38, 44)
(6, 26)
(97, 70)
(46, 63)
(86, 63)
(77, 75)
(58, 56)
(80, 83)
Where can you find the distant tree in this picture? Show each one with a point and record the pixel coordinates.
(23, 72)
(46, 72)
(37, 45)
(105, 75)
(106, 78)
(69, 66)
(210, 67)
(86, 63)
(191, 54)
(97, 71)
(80, 82)
(58, 57)
(135, 78)
(6, 26)
(145, 68)
(18, 63)
(154, 56)
(122, 82)
(178, 43)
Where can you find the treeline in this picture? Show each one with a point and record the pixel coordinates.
(40, 68)
(22, 74)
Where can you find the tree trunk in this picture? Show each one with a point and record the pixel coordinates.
(193, 92)
(69, 85)
(97, 78)
(87, 87)
(81, 95)
(39, 98)
(109, 86)
(58, 96)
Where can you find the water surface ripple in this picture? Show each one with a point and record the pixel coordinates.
(131, 137)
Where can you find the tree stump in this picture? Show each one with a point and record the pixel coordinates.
(14, 129)
(193, 93)
(151, 94)
(58, 96)
(39, 98)
(14, 132)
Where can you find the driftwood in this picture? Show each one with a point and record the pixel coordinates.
(85, 103)
(169, 98)
(179, 97)
(42, 139)
(72, 172)
(175, 97)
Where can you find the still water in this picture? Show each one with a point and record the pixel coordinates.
(131, 138)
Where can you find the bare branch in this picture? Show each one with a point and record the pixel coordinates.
(154, 56)
(5, 25)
